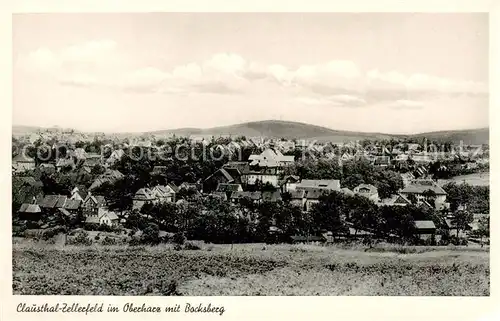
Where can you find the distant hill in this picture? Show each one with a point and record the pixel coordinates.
(467, 136)
(297, 130)
(276, 129)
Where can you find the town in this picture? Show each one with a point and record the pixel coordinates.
(76, 188)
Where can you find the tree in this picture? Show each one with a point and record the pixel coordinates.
(329, 213)
(484, 228)
(462, 219)
(151, 234)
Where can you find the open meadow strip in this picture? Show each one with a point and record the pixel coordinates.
(244, 270)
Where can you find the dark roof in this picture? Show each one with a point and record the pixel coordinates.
(144, 194)
(242, 167)
(251, 195)
(72, 204)
(52, 201)
(173, 187)
(228, 187)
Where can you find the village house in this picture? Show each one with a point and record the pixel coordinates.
(51, 203)
(271, 158)
(425, 230)
(419, 188)
(143, 196)
(395, 200)
(266, 175)
(164, 194)
(115, 156)
(93, 203)
(30, 211)
(103, 217)
(367, 190)
(221, 176)
(79, 193)
(22, 163)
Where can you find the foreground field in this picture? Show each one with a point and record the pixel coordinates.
(250, 270)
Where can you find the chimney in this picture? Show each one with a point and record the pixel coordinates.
(33, 201)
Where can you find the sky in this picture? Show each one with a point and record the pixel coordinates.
(370, 72)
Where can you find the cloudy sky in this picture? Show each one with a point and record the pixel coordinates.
(393, 73)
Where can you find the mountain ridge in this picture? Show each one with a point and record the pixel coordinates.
(297, 130)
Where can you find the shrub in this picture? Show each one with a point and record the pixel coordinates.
(135, 241)
(109, 241)
(179, 238)
(82, 238)
(97, 238)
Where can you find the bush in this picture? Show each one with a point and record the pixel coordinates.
(82, 238)
(151, 234)
(109, 241)
(51, 232)
(179, 238)
(97, 238)
(134, 241)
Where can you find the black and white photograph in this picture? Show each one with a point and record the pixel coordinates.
(250, 154)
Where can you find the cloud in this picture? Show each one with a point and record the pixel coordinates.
(334, 101)
(335, 82)
(407, 104)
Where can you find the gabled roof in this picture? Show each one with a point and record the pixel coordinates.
(173, 187)
(419, 186)
(53, 201)
(425, 225)
(144, 194)
(104, 212)
(242, 167)
(96, 199)
(30, 208)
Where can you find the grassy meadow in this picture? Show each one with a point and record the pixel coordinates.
(250, 269)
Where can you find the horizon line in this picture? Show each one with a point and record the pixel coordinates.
(242, 123)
